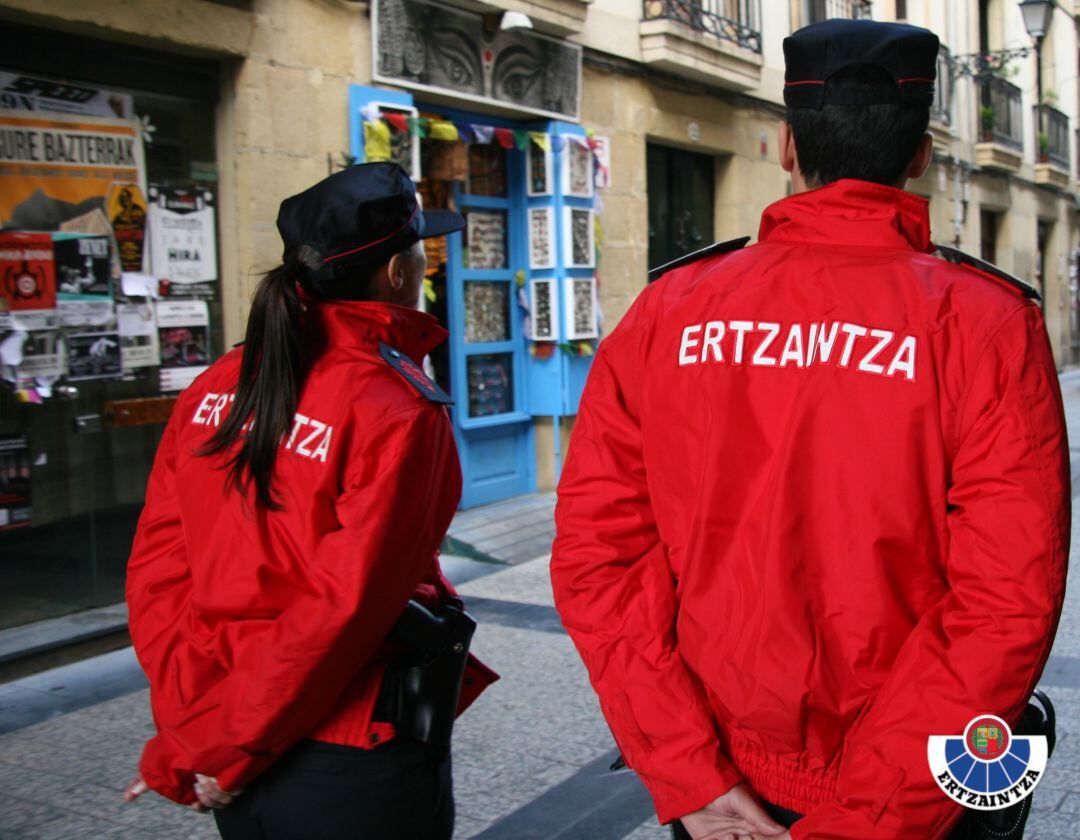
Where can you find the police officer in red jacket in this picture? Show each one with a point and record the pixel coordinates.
(296, 505)
(816, 502)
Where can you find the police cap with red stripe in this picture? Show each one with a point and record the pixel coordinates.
(815, 53)
(356, 220)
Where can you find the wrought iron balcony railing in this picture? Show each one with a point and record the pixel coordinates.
(1000, 118)
(1052, 135)
(737, 21)
(819, 10)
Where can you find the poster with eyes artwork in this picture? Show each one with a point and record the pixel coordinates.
(541, 237)
(581, 309)
(578, 240)
(577, 168)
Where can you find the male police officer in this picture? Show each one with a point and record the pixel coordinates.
(816, 503)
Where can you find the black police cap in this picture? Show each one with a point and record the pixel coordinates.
(814, 53)
(358, 218)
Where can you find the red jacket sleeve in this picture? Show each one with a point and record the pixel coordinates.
(158, 587)
(982, 648)
(616, 594)
(398, 502)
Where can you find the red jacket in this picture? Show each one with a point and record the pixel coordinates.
(259, 628)
(816, 509)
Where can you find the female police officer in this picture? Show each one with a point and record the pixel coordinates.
(297, 501)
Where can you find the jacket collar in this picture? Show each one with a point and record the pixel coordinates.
(366, 324)
(850, 212)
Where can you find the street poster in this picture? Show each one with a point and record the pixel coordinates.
(126, 207)
(184, 336)
(138, 335)
(94, 355)
(83, 314)
(15, 508)
(83, 264)
(56, 167)
(23, 92)
(33, 349)
(183, 245)
(27, 270)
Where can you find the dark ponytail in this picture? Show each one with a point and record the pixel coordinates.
(271, 373)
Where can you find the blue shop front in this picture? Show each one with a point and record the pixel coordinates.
(489, 129)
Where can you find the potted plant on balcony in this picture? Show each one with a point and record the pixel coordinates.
(1044, 147)
(986, 123)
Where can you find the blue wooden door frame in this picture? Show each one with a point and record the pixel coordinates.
(498, 452)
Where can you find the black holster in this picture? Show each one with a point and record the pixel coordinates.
(420, 690)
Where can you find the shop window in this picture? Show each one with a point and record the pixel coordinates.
(988, 226)
(82, 443)
(487, 170)
(487, 311)
(491, 384)
(680, 190)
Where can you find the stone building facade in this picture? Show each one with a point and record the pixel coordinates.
(260, 98)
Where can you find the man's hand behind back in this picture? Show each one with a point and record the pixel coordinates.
(736, 814)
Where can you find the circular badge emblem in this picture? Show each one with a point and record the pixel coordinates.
(987, 738)
(26, 285)
(988, 767)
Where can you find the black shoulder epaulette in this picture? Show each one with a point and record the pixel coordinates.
(694, 256)
(950, 254)
(412, 374)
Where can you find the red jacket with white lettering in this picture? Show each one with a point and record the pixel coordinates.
(258, 628)
(816, 509)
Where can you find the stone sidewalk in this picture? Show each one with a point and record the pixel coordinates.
(531, 756)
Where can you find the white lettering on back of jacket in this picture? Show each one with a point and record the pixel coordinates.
(768, 344)
(309, 438)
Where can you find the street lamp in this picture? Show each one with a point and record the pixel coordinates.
(1037, 15)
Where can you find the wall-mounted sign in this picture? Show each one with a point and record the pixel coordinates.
(429, 46)
(578, 238)
(577, 179)
(538, 168)
(581, 310)
(543, 303)
(541, 237)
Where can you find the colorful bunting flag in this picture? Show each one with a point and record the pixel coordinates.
(398, 122)
(541, 139)
(505, 137)
(521, 139)
(418, 127)
(465, 132)
(376, 141)
(443, 130)
(483, 133)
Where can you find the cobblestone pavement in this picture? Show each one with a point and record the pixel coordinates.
(531, 757)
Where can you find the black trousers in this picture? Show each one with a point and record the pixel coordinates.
(399, 791)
